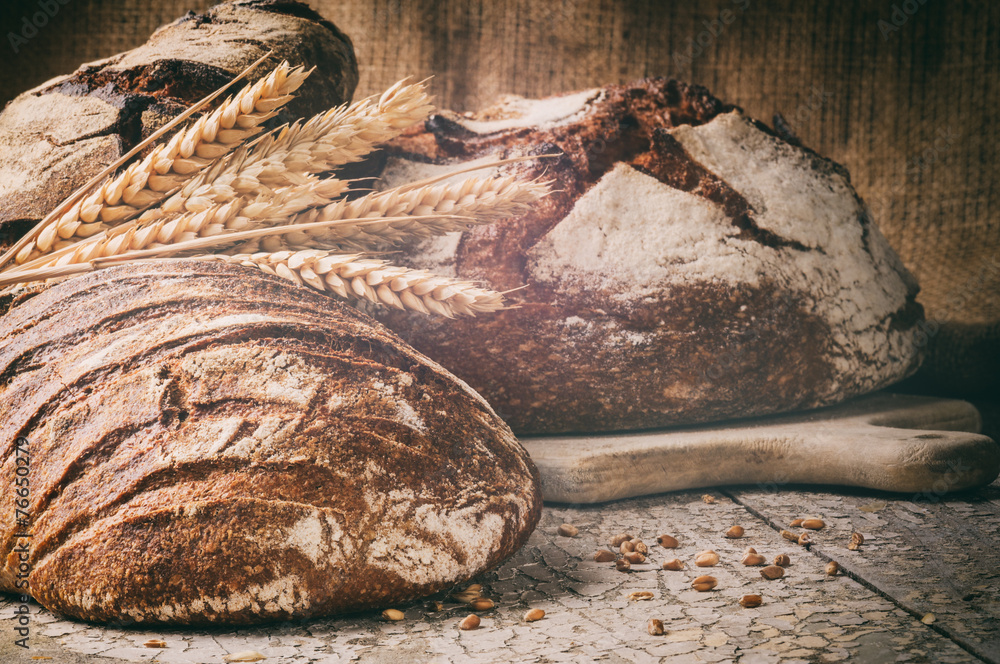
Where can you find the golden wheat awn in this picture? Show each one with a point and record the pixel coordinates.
(97, 179)
(169, 165)
(182, 247)
(355, 278)
(290, 155)
(262, 205)
(385, 218)
(280, 159)
(482, 200)
(238, 214)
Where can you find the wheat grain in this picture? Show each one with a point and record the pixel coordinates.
(108, 170)
(238, 214)
(363, 224)
(354, 278)
(169, 165)
(480, 200)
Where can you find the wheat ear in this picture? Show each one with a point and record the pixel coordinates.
(382, 218)
(98, 178)
(238, 214)
(361, 224)
(355, 278)
(148, 181)
(346, 134)
(184, 247)
(288, 156)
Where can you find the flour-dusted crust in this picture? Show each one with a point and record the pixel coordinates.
(693, 266)
(57, 136)
(214, 445)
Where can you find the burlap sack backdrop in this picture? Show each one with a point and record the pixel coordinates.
(903, 93)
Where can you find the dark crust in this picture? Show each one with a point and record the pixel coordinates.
(701, 360)
(146, 96)
(94, 375)
(166, 88)
(689, 371)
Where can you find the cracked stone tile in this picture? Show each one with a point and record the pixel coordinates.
(805, 616)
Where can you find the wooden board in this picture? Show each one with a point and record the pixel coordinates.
(886, 441)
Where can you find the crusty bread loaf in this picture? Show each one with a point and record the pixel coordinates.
(692, 266)
(209, 444)
(57, 136)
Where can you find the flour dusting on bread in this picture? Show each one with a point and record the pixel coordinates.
(690, 266)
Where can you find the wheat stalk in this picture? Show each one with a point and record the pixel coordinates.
(290, 155)
(281, 159)
(99, 177)
(354, 278)
(386, 217)
(345, 134)
(236, 215)
(183, 247)
(369, 221)
(146, 182)
(262, 205)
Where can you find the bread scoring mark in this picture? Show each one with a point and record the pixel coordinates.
(180, 327)
(404, 412)
(806, 200)
(426, 544)
(669, 162)
(276, 598)
(264, 374)
(272, 432)
(514, 112)
(266, 570)
(207, 438)
(285, 442)
(631, 234)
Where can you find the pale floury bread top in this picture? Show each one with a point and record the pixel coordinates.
(693, 266)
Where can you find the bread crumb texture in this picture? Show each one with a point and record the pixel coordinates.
(212, 445)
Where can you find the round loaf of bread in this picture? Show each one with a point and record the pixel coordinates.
(209, 444)
(692, 266)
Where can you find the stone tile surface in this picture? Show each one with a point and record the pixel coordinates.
(923, 555)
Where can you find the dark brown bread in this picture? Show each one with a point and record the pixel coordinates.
(209, 444)
(692, 266)
(57, 136)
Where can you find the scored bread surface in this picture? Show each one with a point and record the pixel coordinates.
(691, 266)
(209, 444)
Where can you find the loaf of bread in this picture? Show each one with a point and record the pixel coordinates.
(692, 266)
(209, 444)
(57, 136)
